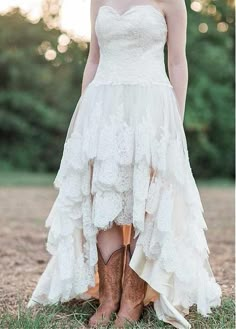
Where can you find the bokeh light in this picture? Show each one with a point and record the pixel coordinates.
(196, 6)
(83, 45)
(230, 20)
(222, 27)
(45, 45)
(211, 10)
(63, 40)
(34, 17)
(50, 54)
(203, 27)
(62, 49)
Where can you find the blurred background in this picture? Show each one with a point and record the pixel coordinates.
(44, 45)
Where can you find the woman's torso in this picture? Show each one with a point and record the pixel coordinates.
(131, 46)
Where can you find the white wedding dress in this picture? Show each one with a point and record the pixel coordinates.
(125, 126)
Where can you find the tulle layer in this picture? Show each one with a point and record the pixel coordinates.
(125, 160)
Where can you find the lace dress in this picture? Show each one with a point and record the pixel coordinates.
(125, 160)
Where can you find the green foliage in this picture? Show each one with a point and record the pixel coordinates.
(37, 96)
(209, 117)
(30, 129)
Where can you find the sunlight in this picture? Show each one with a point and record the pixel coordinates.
(75, 17)
(27, 6)
(75, 14)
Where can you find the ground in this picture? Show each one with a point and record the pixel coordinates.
(23, 236)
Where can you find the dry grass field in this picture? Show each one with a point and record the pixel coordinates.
(23, 236)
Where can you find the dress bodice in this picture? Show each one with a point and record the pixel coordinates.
(131, 46)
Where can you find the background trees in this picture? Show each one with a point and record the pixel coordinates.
(39, 88)
(209, 119)
(41, 72)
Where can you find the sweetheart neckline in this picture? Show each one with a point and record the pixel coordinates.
(130, 9)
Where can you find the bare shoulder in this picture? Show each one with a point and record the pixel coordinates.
(169, 7)
(95, 5)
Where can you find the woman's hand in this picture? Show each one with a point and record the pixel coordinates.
(176, 17)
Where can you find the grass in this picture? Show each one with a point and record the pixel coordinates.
(75, 315)
(215, 182)
(18, 178)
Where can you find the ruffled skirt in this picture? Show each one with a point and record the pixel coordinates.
(125, 160)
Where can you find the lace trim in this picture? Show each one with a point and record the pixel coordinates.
(116, 186)
(141, 82)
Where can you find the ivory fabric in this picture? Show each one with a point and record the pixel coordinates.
(126, 161)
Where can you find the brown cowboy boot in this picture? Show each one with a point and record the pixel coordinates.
(110, 285)
(134, 289)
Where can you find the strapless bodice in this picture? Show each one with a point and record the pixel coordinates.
(131, 46)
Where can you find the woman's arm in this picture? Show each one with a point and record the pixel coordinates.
(93, 56)
(176, 16)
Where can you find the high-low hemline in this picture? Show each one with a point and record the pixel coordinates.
(105, 177)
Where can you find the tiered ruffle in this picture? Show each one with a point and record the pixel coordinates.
(125, 160)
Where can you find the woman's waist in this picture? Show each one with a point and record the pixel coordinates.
(130, 72)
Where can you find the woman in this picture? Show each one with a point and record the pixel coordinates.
(125, 171)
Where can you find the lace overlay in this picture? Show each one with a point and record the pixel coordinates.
(125, 161)
(143, 35)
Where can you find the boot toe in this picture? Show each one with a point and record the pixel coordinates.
(96, 321)
(102, 316)
(122, 322)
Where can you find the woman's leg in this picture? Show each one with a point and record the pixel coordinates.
(132, 240)
(110, 270)
(109, 241)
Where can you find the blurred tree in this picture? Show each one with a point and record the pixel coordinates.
(41, 72)
(40, 84)
(209, 119)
